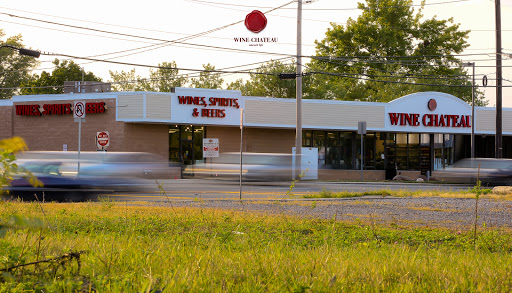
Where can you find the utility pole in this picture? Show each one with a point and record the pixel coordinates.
(298, 95)
(499, 111)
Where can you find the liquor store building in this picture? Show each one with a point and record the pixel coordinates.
(411, 135)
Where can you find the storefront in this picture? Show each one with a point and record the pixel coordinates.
(412, 135)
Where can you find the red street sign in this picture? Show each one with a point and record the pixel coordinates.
(102, 138)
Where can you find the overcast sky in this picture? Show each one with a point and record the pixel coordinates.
(79, 29)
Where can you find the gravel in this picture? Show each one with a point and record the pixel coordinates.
(453, 213)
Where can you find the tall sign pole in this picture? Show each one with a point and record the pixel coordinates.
(241, 146)
(499, 111)
(79, 115)
(298, 118)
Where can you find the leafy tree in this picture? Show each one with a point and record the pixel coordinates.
(14, 68)
(265, 82)
(208, 79)
(160, 80)
(128, 81)
(387, 52)
(166, 77)
(51, 83)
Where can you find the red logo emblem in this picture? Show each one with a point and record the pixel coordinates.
(255, 21)
(432, 104)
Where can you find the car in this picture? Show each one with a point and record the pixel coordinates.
(112, 164)
(255, 167)
(58, 184)
(488, 171)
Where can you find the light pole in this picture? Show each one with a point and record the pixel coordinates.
(22, 51)
(472, 109)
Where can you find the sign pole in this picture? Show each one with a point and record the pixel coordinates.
(79, 114)
(241, 144)
(79, 142)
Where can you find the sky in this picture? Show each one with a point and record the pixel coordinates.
(208, 27)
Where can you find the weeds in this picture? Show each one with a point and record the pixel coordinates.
(140, 249)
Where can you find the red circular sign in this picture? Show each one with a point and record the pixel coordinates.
(255, 21)
(432, 104)
(102, 138)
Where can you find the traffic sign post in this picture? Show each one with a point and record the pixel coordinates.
(102, 139)
(79, 115)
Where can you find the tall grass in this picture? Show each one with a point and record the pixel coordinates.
(163, 249)
(395, 192)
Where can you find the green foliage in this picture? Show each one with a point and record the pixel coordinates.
(14, 67)
(265, 81)
(390, 42)
(64, 71)
(151, 249)
(208, 79)
(162, 79)
(128, 81)
(8, 167)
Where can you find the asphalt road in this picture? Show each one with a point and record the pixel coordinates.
(218, 189)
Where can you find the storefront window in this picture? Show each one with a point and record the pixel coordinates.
(414, 151)
(319, 142)
(402, 151)
(347, 154)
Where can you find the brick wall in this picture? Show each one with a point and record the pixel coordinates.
(256, 140)
(5, 122)
(51, 132)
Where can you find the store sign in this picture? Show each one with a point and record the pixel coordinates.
(430, 120)
(429, 112)
(207, 103)
(57, 109)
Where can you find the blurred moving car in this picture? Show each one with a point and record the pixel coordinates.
(67, 178)
(55, 186)
(489, 171)
(118, 164)
(255, 167)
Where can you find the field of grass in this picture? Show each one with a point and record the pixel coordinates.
(117, 247)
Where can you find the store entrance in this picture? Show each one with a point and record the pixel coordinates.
(185, 144)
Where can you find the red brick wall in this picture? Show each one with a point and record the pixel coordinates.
(5, 122)
(257, 140)
(51, 132)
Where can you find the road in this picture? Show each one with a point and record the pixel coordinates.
(217, 189)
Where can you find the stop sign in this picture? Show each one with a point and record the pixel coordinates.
(102, 139)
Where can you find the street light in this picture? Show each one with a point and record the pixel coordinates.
(22, 51)
(472, 109)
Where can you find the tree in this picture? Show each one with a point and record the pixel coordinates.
(387, 52)
(265, 82)
(128, 81)
(208, 79)
(167, 77)
(14, 68)
(162, 79)
(52, 83)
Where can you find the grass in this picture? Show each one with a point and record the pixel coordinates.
(401, 193)
(128, 248)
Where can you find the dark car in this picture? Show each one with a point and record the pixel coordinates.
(60, 186)
(488, 171)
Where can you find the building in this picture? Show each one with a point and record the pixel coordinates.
(415, 134)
